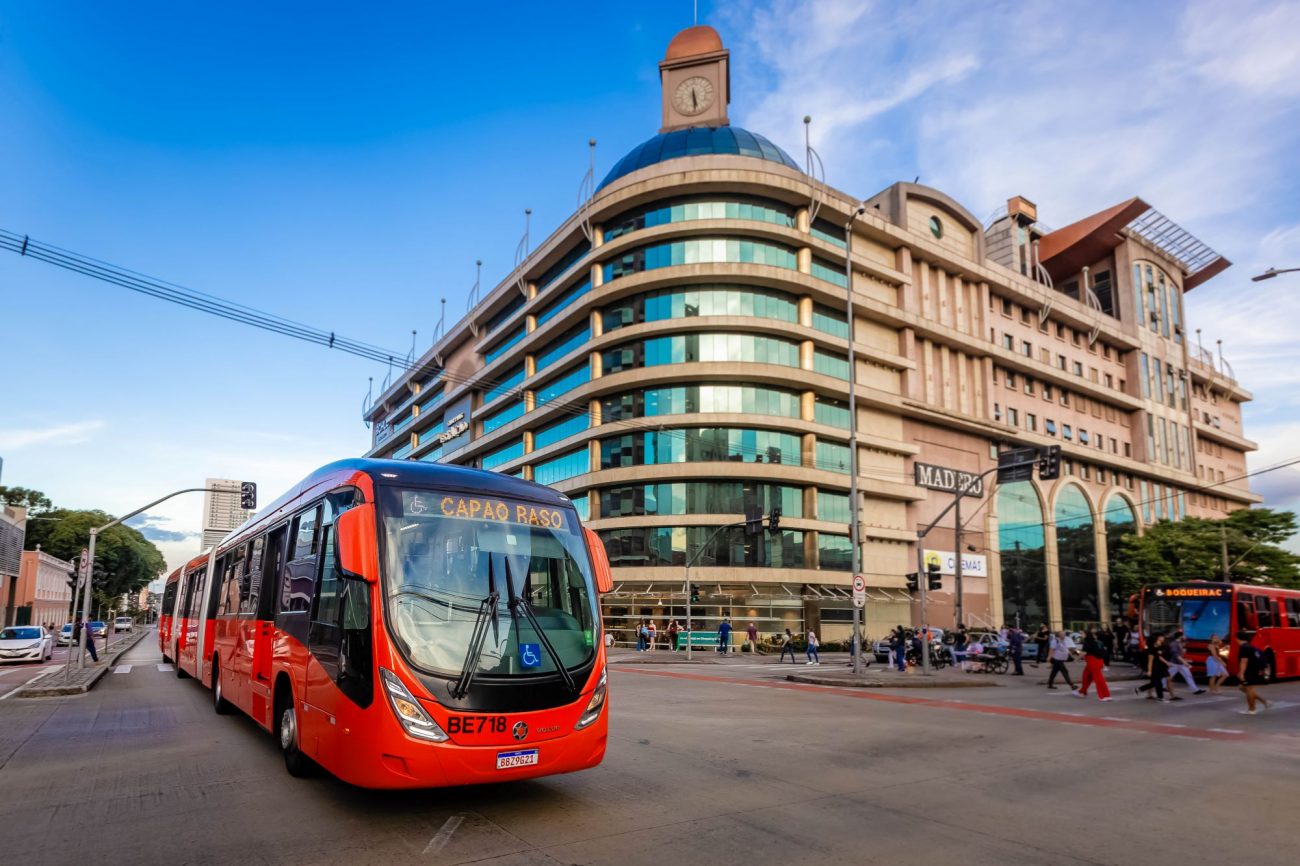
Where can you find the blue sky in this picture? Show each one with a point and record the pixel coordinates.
(346, 170)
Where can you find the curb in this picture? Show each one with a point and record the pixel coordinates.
(908, 683)
(35, 689)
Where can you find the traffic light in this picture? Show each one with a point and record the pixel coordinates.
(695, 594)
(934, 580)
(913, 582)
(1049, 463)
(248, 495)
(774, 521)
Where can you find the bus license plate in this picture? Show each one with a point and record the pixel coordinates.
(522, 758)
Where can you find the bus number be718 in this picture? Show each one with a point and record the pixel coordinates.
(476, 724)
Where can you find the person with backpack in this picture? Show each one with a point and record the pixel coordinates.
(787, 646)
(1094, 663)
(642, 637)
(1250, 671)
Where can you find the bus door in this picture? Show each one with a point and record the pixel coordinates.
(339, 669)
(250, 587)
(272, 564)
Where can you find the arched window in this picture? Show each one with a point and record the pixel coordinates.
(1076, 553)
(1021, 543)
(1121, 519)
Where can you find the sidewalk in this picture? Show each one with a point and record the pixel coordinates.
(79, 681)
(882, 677)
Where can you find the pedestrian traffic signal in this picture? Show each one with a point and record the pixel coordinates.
(695, 594)
(774, 521)
(1049, 463)
(248, 495)
(913, 582)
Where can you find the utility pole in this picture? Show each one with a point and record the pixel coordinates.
(956, 540)
(1223, 550)
(859, 614)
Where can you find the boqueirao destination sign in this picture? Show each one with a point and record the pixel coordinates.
(951, 480)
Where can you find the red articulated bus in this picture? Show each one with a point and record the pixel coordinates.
(406, 625)
(1201, 609)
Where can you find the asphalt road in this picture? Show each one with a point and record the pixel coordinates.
(709, 764)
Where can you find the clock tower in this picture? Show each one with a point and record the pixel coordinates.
(696, 80)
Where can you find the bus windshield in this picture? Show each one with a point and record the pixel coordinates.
(445, 554)
(1199, 618)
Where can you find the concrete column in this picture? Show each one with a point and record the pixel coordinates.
(528, 441)
(594, 413)
(1053, 562)
(597, 365)
(995, 557)
(530, 401)
(810, 503)
(811, 555)
(804, 260)
(530, 289)
(802, 221)
(597, 324)
(806, 311)
(807, 406)
(597, 236)
(907, 292)
(530, 364)
(806, 350)
(597, 276)
(593, 451)
(530, 323)
(808, 457)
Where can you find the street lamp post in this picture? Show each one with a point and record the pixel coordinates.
(1271, 273)
(854, 559)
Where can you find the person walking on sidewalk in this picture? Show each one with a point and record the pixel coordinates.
(673, 629)
(1178, 665)
(787, 646)
(751, 638)
(1157, 670)
(1250, 672)
(724, 635)
(1094, 663)
(1058, 652)
(1215, 669)
(811, 650)
(1016, 641)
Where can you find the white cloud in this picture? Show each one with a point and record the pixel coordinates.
(15, 438)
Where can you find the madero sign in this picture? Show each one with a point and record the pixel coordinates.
(951, 480)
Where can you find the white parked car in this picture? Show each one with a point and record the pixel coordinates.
(65, 635)
(26, 643)
(122, 623)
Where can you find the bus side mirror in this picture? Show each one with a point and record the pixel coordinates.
(600, 562)
(355, 549)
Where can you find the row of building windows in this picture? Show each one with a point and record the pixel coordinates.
(1168, 442)
(700, 444)
(1011, 310)
(669, 545)
(665, 213)
(689, 348)
(700, 251)
(1163, 382)
(1061, 362)
(1050, 393)
(684, 399)
(700, 497)
(1158, 301)
(1067, 431)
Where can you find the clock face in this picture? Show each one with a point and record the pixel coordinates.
(693, 96)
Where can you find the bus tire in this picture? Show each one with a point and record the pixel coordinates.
(219, 703)
(286, 726)
(180, 674)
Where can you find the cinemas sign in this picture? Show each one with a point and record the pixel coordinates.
(951, 480)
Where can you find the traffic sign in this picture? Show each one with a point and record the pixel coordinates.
(859, 591)
(859, 601)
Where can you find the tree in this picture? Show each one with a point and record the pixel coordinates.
(1192, 549)
(34, 501)
(125, 561)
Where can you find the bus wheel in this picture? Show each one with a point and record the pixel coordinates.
(180, 674)
(298, 764)
(219, 702)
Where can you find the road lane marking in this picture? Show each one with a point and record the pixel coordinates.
(443, 836)
(948, 704)
(165, 668)
(1228, 730)
(122, 669)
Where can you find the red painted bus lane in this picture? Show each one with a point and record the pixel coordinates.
(963, 706)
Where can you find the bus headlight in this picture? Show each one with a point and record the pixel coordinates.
(414, 719)
(595, 705)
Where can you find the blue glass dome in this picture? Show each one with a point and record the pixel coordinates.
(698, 141)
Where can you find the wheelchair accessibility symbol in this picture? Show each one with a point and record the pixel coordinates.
(530, 655)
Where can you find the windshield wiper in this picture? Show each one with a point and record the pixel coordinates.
(487, 609)
(519, 603)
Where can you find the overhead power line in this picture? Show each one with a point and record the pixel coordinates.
(195, 300)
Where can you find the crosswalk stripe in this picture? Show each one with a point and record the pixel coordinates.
(165, 667)
(122, 669)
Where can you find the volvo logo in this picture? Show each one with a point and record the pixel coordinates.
(520, 731)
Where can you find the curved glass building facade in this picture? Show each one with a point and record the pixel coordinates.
(677, 354)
